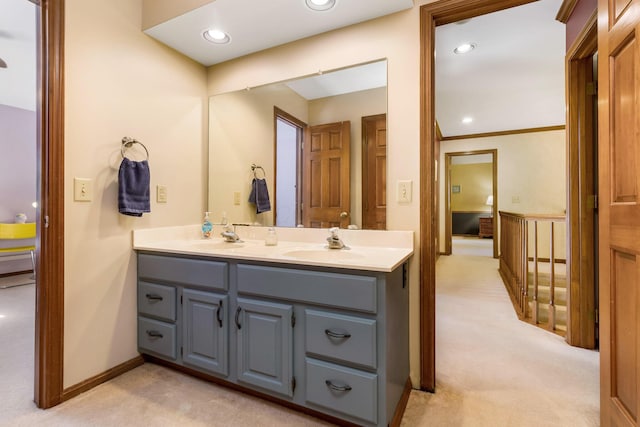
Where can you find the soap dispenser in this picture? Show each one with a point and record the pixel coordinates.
(272, 237)
(207, 227)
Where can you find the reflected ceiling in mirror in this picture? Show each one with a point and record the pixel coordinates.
(244, 131)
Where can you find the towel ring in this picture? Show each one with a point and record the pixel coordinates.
(254, 168)
(127, 142)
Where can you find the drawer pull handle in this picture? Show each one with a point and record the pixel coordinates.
(154, 334)
(332, 386)
(238, 325)
(154, 297)
(333, 334)
(218, 314)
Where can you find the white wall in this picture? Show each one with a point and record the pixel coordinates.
(395, 38)
(120, 82)
(531, 169)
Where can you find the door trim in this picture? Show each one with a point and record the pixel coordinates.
(431, 15)
(49, 316)
(447, 191)
(581, 277)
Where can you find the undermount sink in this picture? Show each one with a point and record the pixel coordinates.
(323, 254)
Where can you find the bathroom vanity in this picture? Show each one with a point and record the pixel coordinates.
(325, 331)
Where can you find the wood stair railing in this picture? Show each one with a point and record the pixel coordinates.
(538, 296)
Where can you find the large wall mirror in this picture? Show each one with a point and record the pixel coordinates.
(317, 144)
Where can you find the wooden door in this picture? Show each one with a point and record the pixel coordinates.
(619, 216)
(374, 172)
(326, 175)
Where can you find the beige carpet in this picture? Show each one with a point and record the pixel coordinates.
(466, 245)
(492, 371)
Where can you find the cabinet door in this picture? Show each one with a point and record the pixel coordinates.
(265, 344)
(205, 334)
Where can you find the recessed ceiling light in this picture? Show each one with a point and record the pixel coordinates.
(320, 4)
(464, 48)
(217, 36)
(467, 120)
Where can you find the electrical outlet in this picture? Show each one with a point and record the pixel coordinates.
(236, 198)
(82, 189)
(161, 193)
(405, 189)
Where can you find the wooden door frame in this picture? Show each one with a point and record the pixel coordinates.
(581, 303)
(49, 315)
(302, 126)
(365, 164)
(447, 191)
(431, 15)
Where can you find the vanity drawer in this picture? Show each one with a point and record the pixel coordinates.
(157, 337)
(157, 300)
(196, 272)
(346, 338)
(332, 289)
(342, 389)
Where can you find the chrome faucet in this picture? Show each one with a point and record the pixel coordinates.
(334, 241)
(229, 234)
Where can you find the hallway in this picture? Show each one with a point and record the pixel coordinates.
(492, 369)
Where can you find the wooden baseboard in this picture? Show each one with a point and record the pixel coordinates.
(402, 405)
(90, 383)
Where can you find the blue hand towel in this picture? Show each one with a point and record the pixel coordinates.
(133, 187)
(260, 195)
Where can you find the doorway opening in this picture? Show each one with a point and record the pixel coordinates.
(289, 132)
(471, 202)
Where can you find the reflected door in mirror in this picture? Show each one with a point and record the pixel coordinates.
(374, 172)
(326, 175)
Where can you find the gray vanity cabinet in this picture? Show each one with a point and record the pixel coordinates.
(205, 330)
(265, 344)
(334, 341)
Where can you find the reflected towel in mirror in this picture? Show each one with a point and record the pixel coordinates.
(260, 195)
(133, 187)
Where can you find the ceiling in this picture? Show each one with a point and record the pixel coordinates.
(513, 79)
(18, 50)
(255, 25)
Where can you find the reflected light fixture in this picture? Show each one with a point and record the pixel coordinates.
(467, 120)
(464, 48)
(320, 5)
(216, 36)
(2, 63)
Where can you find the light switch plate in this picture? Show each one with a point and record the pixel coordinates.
(404, 192)
(82, 189)
(161, 193)
(236, 198)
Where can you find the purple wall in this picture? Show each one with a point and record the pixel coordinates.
(17, 176)
(17, 163)
(581, 13)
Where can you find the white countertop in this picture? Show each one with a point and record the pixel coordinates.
(369, 250)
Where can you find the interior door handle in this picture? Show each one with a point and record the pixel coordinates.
(344, 214)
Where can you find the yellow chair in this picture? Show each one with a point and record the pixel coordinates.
(19, 232)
